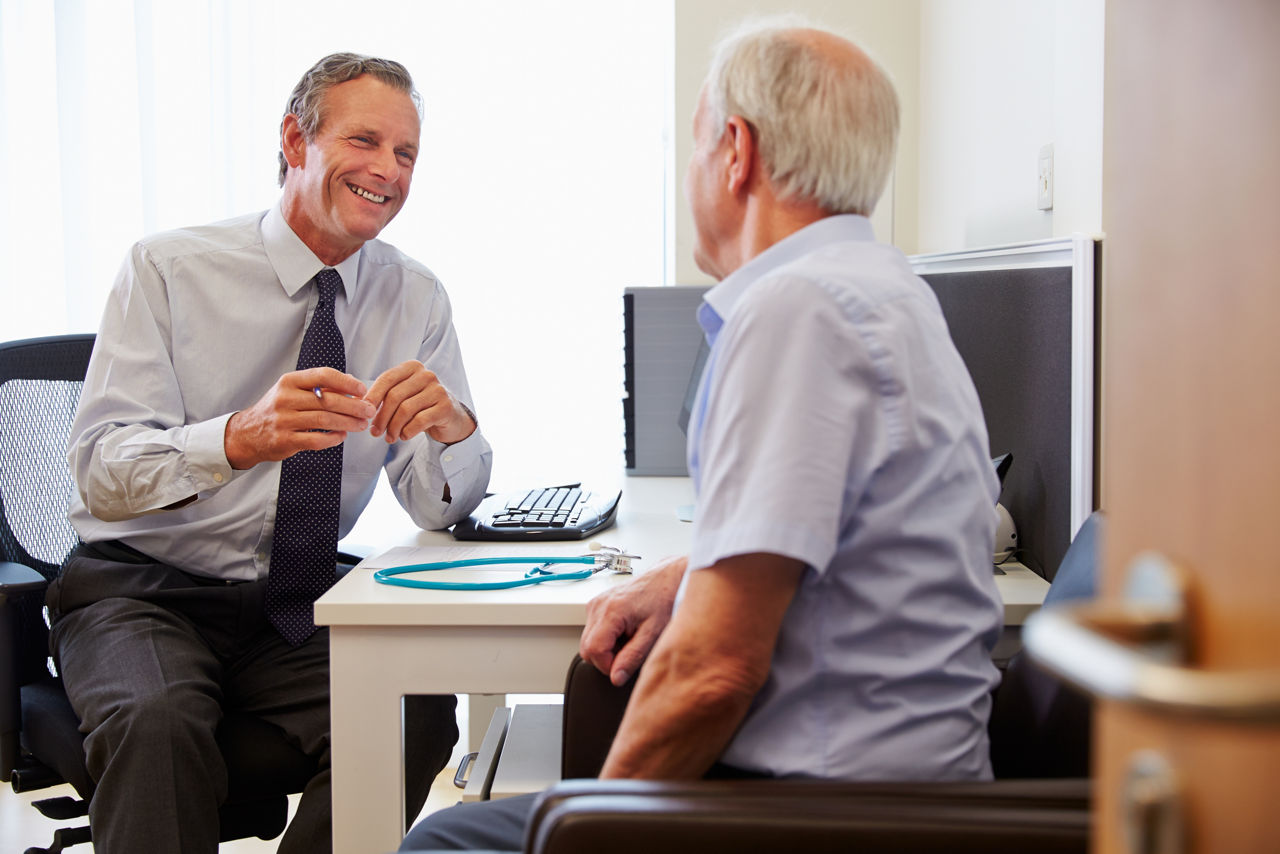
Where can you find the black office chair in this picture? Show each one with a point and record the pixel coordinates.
(1039, 801)
(40, 741)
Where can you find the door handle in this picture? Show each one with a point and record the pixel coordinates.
(1140, 652)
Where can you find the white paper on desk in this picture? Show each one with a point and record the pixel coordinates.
(406, 555)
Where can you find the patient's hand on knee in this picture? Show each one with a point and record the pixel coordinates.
(624, 623)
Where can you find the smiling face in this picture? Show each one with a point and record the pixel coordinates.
(344, 186)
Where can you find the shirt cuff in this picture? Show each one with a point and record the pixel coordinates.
(206, 454)
(462, 455)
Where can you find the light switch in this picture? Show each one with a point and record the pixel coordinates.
(1044, 192)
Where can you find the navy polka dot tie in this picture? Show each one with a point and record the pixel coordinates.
(305, 545)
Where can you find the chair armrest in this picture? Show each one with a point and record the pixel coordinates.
(15, 579)
(18, 578)
(813, 816)
(593, 710)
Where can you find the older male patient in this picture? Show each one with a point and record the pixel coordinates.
(836, 614)
(249, 382)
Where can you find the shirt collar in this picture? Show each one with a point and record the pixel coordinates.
(294, 262)
(719, 301)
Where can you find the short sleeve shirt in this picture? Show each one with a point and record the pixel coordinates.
(836, 424)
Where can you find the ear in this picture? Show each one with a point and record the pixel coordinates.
(741, 142)
(292, 142)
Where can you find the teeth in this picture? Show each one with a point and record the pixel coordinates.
(363, 193)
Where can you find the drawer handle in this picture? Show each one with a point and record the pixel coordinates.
(461, 777)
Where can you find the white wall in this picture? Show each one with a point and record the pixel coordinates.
(998, 80)
(887, 29)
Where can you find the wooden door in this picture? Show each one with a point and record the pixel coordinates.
(1191, 382)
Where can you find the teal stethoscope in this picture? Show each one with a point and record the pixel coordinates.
(604, 558)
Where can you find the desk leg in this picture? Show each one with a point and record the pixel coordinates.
(367, 752)
(372, 667)
(480, 709)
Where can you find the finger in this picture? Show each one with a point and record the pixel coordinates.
(386, 380)
(597, 644)
(394, 401)
(328, 379)
(346, 406)
(393, 377)
(633, 653)
(420, 413)
(331, 422)
(420, 394)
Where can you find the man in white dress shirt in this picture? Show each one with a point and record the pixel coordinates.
(229, 354)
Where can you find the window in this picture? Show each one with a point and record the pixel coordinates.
(539, 193)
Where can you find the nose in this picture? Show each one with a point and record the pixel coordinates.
(385, 166)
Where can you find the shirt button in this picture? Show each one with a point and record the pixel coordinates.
(448, 458)
(217, 477)
(261, 555)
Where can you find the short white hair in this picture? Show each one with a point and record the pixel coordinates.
(826, 131)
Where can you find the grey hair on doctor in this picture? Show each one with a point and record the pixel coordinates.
(306, 101)
(825, 130)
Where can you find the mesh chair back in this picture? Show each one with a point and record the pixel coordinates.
(40, 382)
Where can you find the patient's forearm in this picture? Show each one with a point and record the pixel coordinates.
(705, 670)
(680, 718)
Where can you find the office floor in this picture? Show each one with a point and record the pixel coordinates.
(21, 826)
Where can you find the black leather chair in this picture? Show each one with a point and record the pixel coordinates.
(1040, 800)
(40, 741)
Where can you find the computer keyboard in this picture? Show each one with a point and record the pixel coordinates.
(566, 512)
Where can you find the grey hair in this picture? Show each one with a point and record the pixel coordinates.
(306, 102)
(826, 131)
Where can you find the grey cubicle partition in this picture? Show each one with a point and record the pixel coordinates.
(1024, 320)
(662, 337)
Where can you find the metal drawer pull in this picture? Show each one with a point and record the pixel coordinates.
(1136, 654)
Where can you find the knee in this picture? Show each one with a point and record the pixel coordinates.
(481, 826)
(150, 720)
(440, 831)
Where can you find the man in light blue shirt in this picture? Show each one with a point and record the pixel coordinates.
(840, 606)
(836, 614)
(164, 620)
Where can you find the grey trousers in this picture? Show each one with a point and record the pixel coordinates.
(501, 825)
(481, 826)
(152, 657)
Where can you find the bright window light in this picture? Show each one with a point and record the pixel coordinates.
(539, 194)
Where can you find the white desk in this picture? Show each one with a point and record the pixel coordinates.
(387, 642)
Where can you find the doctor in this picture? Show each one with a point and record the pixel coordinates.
(250, 381)
(836, 614)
